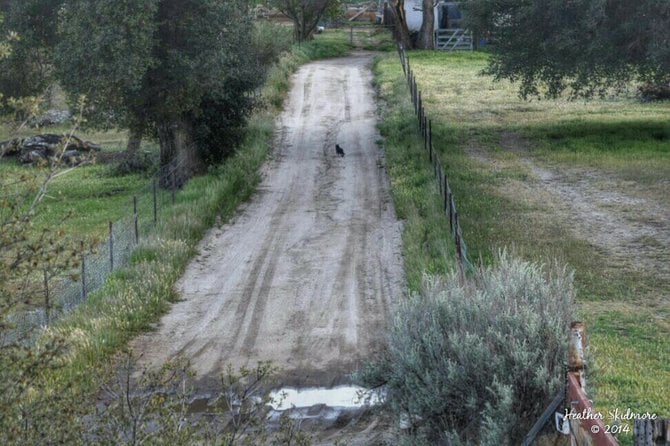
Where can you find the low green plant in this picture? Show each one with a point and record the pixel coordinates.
(476, 363)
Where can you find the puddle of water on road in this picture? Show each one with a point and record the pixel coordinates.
(348, 397)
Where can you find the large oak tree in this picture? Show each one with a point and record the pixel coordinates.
(584, 46)
(177, 69)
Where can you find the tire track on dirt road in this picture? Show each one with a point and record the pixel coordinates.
(308, 271)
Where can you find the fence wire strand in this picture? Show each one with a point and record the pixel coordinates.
(66, 291)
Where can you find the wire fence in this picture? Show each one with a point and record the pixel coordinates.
(446, 193)
(589, 432)
(62, 292)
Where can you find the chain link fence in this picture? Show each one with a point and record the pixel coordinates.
(61, 293)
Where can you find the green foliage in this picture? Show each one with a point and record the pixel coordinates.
(479, 361)
(587, 47)
(28, 70)
(104, 51)
(270, 41)
(48, 393)
(304, 14)
(177, 69)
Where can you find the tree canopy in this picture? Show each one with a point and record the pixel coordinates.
(305, 14)
(163, 67)
(27, 70)
(586, 47)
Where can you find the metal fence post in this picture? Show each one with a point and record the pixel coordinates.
(155, 203)
(111, 247)
(459, 250)
(47, 306)
(83, 273)
(174, 186)
(430, 137)
(135, 217)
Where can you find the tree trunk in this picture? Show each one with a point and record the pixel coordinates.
(134, 142)
(179, 156)
(400, 24)
(427, 31)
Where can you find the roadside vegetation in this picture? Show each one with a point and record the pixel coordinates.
(476, 362)
(500, 151)
(78, 354)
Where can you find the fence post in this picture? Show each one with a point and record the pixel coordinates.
(111, 247)
(137, 232)
(446, 195)
(424, 120)
(459, 250)
(351, 35)
(430, 136)
(451, 212)
(174, 186)
(47, 306)
(439, 177)
(83, 273)
(651, 432)
(155, 203)
(582, 430)
(416, 94)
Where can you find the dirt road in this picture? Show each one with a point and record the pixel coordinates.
(307, 272)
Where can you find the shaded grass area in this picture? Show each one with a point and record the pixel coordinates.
(484, 134)
(82, 202)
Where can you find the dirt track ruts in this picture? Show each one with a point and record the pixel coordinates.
(307, 272)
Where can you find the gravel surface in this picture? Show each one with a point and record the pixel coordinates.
(308, 271)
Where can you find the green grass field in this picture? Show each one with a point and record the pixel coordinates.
(509, 162)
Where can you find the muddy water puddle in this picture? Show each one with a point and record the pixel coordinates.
(315, 403)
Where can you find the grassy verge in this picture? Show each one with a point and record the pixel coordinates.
(490, 140)
(81, 203)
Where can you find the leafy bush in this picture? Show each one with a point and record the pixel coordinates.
(270, 40)
(477, 364)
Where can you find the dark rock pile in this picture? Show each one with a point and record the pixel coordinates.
(49, 148)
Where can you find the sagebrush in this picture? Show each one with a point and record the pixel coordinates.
(477, 363)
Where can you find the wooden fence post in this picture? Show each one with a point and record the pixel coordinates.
(589, 430)
(651, 432)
